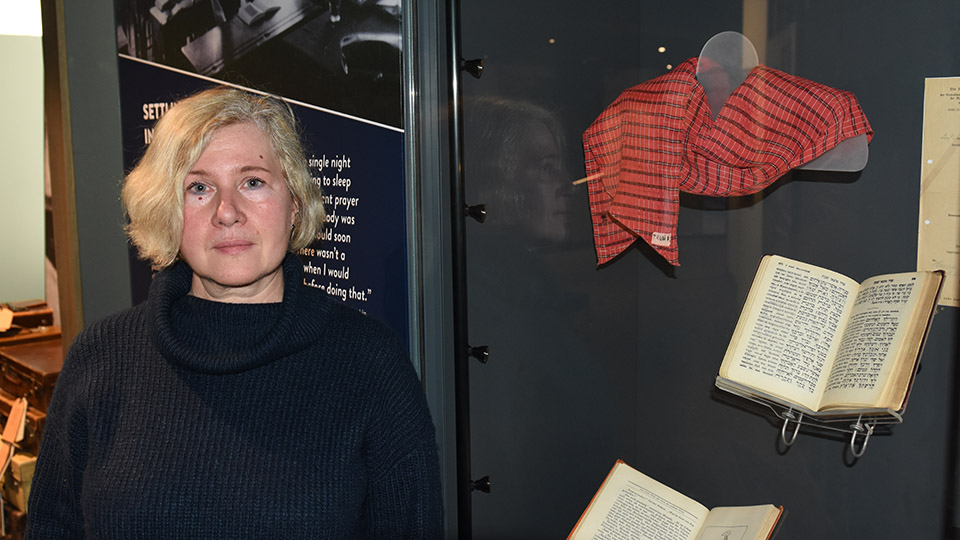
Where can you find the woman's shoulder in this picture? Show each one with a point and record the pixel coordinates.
(341, 314)
(353, 328)
(97, 353)
(123, 327)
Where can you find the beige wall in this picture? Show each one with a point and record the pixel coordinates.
(21, 183)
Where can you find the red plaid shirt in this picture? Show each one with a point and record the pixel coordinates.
(658, 138)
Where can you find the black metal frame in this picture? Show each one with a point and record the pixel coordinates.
(459, 251)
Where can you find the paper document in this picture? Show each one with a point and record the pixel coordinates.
(938, 246)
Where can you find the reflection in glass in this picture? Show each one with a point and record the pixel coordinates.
(514, 166)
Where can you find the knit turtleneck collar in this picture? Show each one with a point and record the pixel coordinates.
(219, 337)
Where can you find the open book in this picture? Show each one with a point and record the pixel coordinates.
(630, 504)
(821, 343)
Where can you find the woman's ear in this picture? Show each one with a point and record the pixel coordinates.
(294, 211)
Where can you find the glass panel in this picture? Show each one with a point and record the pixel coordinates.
(588, 365)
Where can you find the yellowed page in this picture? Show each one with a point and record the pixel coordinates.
(739, 523)
(875, 337)
(938, 246)
(789, 330)
(630, 504)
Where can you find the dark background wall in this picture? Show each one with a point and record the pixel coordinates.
(589, 365)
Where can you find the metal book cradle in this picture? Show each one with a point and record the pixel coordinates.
(860, 426)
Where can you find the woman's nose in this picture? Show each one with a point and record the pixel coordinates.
(228, 211)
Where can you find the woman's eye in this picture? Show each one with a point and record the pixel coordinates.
(197, 188)
(254, 183)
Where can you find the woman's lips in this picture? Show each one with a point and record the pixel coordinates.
(232, 247)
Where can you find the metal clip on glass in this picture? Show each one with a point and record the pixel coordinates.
(473, 67)
(478, 212)
(480, 352)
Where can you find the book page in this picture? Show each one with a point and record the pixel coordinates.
(630, 504)
(740, 523)
(789, 330)
(872, 340)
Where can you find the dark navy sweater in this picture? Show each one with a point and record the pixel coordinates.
(186, 418)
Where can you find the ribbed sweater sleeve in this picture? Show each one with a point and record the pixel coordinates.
(55, 511)
(56, 496)
(403, 498)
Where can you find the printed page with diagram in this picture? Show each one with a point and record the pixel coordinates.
(740, 522)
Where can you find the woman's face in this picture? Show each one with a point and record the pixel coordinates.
(547, 193)
(237, 216)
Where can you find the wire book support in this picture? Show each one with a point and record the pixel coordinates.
(860, 427)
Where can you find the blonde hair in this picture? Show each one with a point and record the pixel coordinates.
(152, 192)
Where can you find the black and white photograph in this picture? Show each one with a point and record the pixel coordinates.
(341, 55)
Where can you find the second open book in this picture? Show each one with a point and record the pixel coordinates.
(817, 341)
(630, 504)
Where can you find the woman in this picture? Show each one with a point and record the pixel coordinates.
(235, 402)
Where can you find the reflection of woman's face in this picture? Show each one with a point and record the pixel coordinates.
(546, 193)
